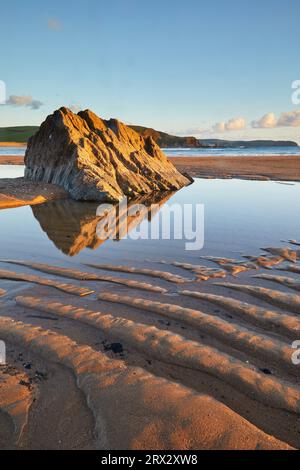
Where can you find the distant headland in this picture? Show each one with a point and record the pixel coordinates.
(21, 134)
(165, 140)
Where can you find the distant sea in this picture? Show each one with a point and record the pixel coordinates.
(188, 152)
(236, 152)
(12, 151)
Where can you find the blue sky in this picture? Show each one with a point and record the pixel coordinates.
(180, 66)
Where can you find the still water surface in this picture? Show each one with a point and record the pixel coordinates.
(240, 217)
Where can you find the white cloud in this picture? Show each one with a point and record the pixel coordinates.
(289, 119)
(54, 24)
(268, 121)
(219, 127)
(24, 100)
(235, 124)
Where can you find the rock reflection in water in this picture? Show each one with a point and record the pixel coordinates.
(73, 226)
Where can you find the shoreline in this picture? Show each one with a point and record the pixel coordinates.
(270, 167)
(11, 160)
(13, 144)
(47, 299)
(16, 192)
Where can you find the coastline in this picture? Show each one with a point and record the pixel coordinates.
(16, 192)
(13, 144)
(11, 160)
(270, 167)
(225, 403)
(274, 168)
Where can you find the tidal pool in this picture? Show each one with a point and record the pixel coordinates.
(240, 217)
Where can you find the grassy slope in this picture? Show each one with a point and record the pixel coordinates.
(166, 140)
(17, 134)
(22, 134)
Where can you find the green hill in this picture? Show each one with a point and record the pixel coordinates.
(173, 141)
(166, 140)
(218, 143)
(17, 134)
(22, 134)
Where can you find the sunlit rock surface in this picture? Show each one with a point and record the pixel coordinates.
(98, 160)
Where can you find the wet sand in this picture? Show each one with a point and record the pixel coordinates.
(15, 192)
(281, 168)
(206, 365)
(11, 160)
(278, 168)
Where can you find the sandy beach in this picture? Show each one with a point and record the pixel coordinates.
(278, 168)
(13, 144)
(196, 350)
(11, 160)
(15, 192)
(84, 341)
(150, 232)
(283, 168)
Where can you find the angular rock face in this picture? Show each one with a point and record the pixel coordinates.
(98, 160)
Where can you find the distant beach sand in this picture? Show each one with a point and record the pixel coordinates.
(11, 160)
(277, 168)
(15, 192)
(13, 144)
(282, 168)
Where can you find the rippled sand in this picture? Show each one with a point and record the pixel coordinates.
(205, 364)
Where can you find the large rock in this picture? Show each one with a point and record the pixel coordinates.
(98, 160)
